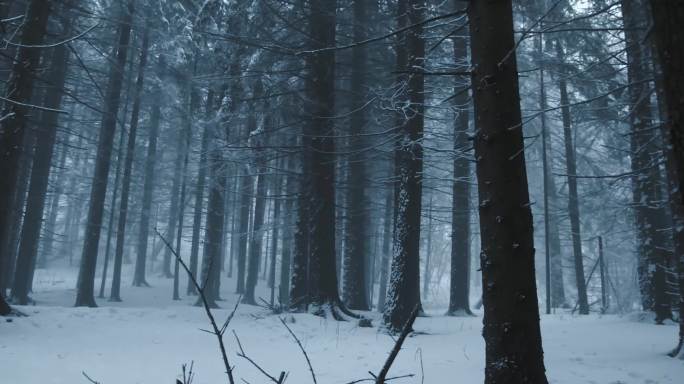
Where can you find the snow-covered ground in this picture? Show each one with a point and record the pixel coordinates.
(147, 337)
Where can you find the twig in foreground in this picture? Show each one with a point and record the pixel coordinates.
(243, 354)
(216, 331)
(301, 347)
(88, 378)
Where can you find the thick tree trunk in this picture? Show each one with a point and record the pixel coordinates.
(459, 292)
(668, 17)
(128, 168)
(16, 217)
(40, 174)
(649, 216)
(210, 275)
(86, 276)
(14, 115)
(573, 199)
(404, 287)
(355, 288)
(323, 294)
(211, 262)
(511, 313)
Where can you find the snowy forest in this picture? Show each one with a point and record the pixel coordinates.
(342, 191)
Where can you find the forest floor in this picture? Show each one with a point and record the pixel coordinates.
(146, 338)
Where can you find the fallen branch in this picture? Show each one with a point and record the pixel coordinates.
(408, 328)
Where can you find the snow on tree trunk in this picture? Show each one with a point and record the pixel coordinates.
(404, 287)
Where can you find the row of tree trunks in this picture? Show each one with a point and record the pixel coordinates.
(123, 115)
(14, 119)
(86, 276)
(115, 294)
(40, 175)
(573, 198)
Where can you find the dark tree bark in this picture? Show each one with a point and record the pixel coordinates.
(14, 115)
(649, 215)
(323, 292)
(404, 287)
(668, 17)
(573, 199)
(117, 177)
(86, 275)
(511, 313)
(355, 292)
(10, 244)
(128, 169)
(139, 279)
(40, 175)
(211, 262)
(459, 293)
(214, 222)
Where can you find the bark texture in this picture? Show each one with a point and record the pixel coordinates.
(511, 314)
